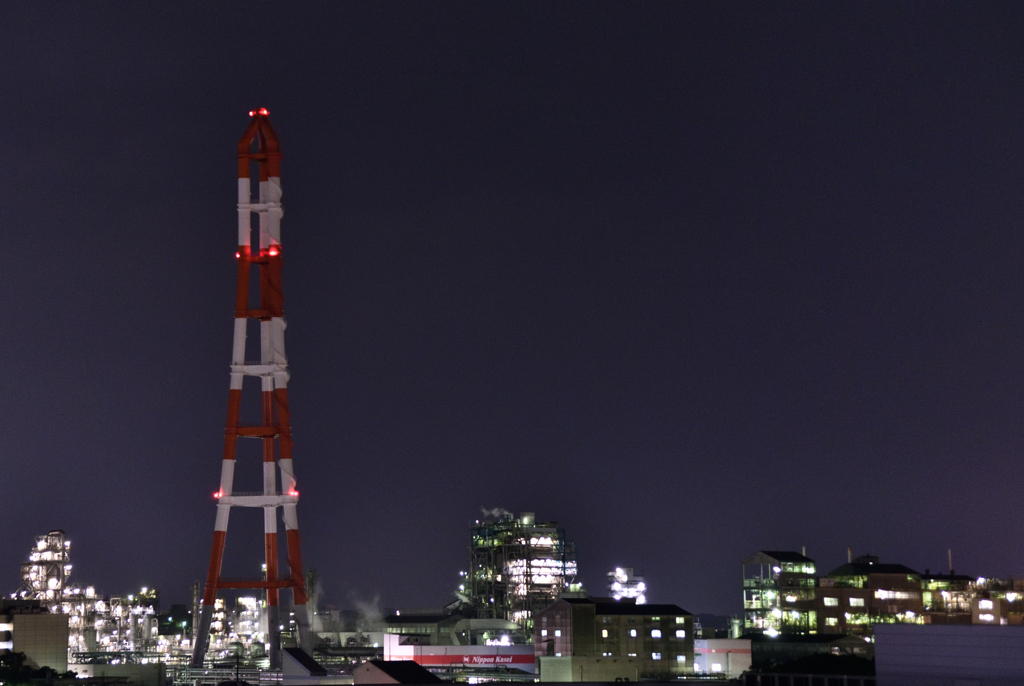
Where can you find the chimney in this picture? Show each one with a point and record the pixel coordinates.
(849, 553)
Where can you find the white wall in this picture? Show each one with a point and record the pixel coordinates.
(949, 655)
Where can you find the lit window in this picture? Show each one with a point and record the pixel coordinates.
(655, 656)
(558, 655)
(856, 602)
(655, 619)
(632, 632)
(631, 654)
(986, 617)
(716, 667)
(831, 602)
(680, 658)
(984, 604)
(831, 621)
(655, 633)
(558, 632)
(681, 633)
(543, 632)
(680, 620)
(604, 633)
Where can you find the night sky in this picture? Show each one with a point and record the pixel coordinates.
(691, 279)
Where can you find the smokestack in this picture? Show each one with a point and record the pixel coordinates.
(849, 553)
(949, 553)
(803, 550)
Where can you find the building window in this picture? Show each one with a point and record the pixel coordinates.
(681, 633)
(558, 655)
(897, 595)
(984, 604)
(604, 633)
(986, 617)
(655, 656)
(680, 658)
(558, 632)
(831, 621)
(543, 632)
(655, 633)
(680, 620)
(630, 654)
(655, 619)
(716, 667)
(831, 602)
(632, 632)
(856, 602)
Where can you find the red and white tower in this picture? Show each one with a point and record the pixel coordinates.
(258, 147)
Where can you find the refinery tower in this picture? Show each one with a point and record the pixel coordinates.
(518, 566)
(259, 306)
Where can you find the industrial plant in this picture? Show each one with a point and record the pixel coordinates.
(518, 567)
(97, 625)
(520, 612)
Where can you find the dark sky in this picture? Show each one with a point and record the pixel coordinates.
(692, 279)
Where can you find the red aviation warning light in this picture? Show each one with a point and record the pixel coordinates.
(274, 431)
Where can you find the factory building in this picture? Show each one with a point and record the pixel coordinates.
(45, 574)
(517, 567)
(97, 626)
(623, 583)
(779, 593)
(729, 657)
(658, 637)
(782, 595)
(864, 592)
(27, 626)
(947, 597)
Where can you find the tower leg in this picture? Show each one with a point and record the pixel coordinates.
(220, 533)
(274, 635)
(201, 634)
(305, 634)
(299, 596)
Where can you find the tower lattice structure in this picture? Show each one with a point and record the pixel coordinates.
(259, 148)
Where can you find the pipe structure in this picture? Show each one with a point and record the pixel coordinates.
(259, 148)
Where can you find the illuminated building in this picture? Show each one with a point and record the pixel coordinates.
(517, 567)
(865, 592)
(98, 627)
(48, 567)
(946, 598)
(659, 637)
(622, 583)
(779, 593)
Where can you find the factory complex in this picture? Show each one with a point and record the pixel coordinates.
(518, 610)
(519, 613)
